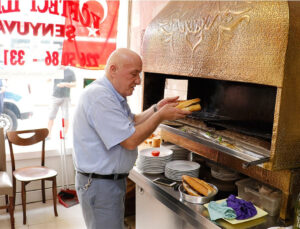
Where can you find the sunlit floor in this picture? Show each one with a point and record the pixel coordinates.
(41, 216)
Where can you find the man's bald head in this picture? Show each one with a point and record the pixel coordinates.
(120, 58)
(122, 70)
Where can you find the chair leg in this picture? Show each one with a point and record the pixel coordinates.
(24, 202)
(14, 191)
(6, 202)
(54, 190)
(43, 191)
(11, 212)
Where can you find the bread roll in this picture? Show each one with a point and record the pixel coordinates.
(156, 142)
(192, 108)
(208, 186)
(148, 141)
(198, 185)
(186, 103)
(189, 190)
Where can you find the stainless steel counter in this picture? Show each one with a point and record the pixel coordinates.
(195, 214)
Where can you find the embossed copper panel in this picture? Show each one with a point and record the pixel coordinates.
(238, 41)
(252, 42)
(285, 150)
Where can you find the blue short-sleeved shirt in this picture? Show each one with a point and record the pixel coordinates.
(102, 120)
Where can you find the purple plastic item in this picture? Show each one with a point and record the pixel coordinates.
(242, 208)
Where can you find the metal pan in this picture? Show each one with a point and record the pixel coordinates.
(196, 199)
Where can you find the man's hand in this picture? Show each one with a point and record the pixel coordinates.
(67, 84)
(165, 101)
(170, 112)
(148, 121)
(61, 85)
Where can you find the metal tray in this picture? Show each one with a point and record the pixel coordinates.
(196, 199)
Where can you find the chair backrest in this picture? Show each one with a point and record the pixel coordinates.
(2, 151)
(38, 135)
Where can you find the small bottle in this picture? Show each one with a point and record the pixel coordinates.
(297, 213)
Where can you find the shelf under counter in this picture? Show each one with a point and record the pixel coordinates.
(191, 215)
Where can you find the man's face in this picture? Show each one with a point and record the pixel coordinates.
(127, 77)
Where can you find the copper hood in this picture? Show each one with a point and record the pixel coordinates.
(249, 42)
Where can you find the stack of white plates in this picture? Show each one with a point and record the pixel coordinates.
(147, 163)
(179, 153)
(175, 169)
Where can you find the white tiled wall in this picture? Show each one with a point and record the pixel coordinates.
(175, 87)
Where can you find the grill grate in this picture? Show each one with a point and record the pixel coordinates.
(218, 122)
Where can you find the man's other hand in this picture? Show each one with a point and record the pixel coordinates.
(170, 112)
(165, 101)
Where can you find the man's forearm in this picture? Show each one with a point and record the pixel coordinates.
(142, 131)
(140, 118)
(71, 84)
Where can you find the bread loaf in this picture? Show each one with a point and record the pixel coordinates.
(190, 105)
(189, 190)
(192, 108)
(208, 186)
(186, 103)
(156, 142)
(198, 185)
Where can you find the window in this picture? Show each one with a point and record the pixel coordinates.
(32, 49)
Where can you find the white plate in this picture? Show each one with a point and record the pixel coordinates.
(153, 172)
(164, 152)
(181, 165)
(148, 163)
(156, 171)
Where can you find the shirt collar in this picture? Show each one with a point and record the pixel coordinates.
(107, 83)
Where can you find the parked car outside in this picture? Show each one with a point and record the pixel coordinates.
(18, 105)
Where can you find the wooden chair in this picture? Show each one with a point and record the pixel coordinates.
(33, 173)
(6, 187)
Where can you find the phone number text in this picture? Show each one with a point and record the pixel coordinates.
(17, 57)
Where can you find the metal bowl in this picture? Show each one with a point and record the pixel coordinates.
(196, 199)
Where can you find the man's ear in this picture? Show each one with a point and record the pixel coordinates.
(113, 68)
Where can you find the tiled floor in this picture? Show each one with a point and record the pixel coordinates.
(41, 216)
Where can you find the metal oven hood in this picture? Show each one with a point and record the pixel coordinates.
(242, 42)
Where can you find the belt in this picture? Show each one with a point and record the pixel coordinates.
(109, 176)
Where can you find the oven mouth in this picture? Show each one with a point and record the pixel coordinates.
(240, 107)
(219, 122)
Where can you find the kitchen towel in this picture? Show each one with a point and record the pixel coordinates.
(220, 210)
(242, 208)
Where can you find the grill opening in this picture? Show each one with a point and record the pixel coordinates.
(241, 107)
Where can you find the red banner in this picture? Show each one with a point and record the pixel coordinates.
(91, 32)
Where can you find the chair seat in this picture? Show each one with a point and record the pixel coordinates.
(34, 173)
(6, 187)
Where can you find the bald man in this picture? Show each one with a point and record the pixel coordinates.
(106, 135)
